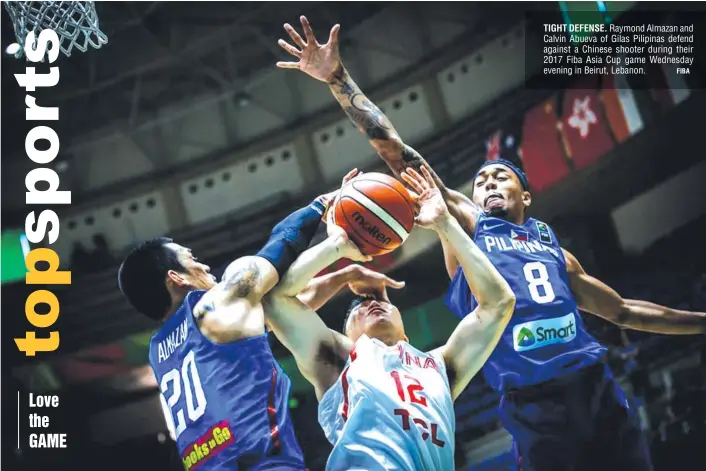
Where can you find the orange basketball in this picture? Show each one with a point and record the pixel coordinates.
(376, 211)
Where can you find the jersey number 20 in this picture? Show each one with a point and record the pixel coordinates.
(193, 391)
(539, 286)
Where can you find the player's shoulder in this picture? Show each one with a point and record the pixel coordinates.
(437, 354)
(202, 302)
(223, 320)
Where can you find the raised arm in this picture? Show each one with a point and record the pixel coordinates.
(320, 353)
(252, 277)
(476, 336)
(594, 296)
(246, 280)
(389, 145)
(323, 62)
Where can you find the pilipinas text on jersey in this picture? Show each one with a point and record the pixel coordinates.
(225, 404)
(390, 410)
(545, 337)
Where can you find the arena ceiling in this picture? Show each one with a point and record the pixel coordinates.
(163, 52)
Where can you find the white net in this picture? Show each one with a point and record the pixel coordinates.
(76, 23)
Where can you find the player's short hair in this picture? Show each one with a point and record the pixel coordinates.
(142, 274)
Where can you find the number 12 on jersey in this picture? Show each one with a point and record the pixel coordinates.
(428, 430)
(193, 391)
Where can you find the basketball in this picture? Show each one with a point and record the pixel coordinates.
(376, 211)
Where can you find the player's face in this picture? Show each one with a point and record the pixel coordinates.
(499, 192)
(196, 274)
(377, 318)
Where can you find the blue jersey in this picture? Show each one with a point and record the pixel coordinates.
(226, 404)
(545, 337)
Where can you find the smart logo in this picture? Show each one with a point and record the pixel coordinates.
(525, 338)
(540, 333)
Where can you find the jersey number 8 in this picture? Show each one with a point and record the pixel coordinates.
(539, 286)
(195, 398)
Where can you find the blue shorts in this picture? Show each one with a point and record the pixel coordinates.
(578, 422)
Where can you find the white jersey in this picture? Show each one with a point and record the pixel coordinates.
(390, 409)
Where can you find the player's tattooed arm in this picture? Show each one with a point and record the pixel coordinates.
(398, 156)
(323, 62)
(233, 309)
(249, 278)
(594, 296)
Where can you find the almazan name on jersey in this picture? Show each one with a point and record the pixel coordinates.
(175, 338)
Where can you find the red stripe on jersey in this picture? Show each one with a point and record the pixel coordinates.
(272, 413)
(344, 384)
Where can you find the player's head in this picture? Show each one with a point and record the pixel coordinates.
(500, 188)
(158, 274)
(375, 316)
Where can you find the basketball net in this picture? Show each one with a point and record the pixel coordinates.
(76, 23)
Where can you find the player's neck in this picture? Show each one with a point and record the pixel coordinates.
(518, 219)
(177, 301)
(388, 339)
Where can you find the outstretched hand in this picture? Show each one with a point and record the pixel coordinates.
(366, 281)
(432, 208)
(320, 61)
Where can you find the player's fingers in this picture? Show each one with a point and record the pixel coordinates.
(417, 177)
(294, 35)
(394, 284)
(350, 176)
(287, 65)
(409, 179)
(308, 32)
(419, 221)
(428, 177)
(333, 37)
(289, 48)
(331, 213)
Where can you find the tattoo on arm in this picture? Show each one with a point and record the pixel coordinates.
(366, 116)
(202, 309)
(377, 127)
(243, 281)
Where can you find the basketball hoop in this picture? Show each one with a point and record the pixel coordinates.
(76, 23)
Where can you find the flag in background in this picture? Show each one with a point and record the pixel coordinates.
(492, 146)
(542, 152)
(505, 143)
(621, 107)
(583, 123)
(666, 87)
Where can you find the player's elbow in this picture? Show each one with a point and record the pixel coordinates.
(621, 316)
(502, 306)
(506, 305)
(500, 300)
